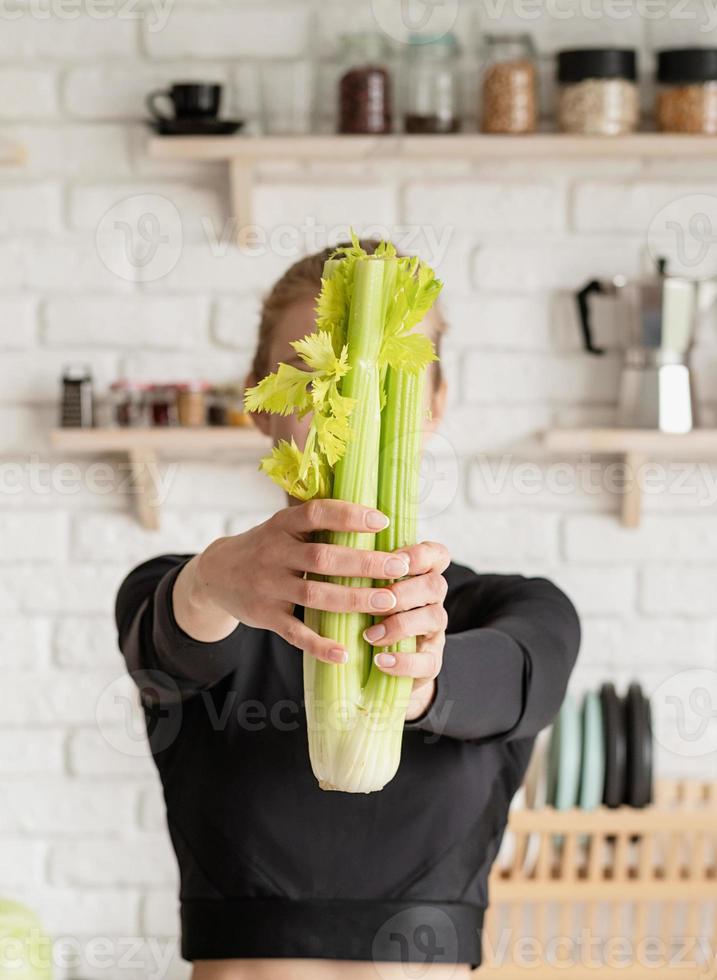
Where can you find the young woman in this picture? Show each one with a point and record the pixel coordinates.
(281, 880)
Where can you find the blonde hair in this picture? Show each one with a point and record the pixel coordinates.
(303, 280)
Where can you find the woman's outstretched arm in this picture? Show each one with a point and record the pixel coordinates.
(511, 645)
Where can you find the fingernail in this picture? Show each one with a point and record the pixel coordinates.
(404, 558)
(375, 632)
(385, 660)
(376, 520)
(383, 600)
(338, 656)
(395, 567)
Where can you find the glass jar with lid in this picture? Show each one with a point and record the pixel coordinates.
(509, 93)
(687, 90)
(216, 406)
(365, 85)
(597, 91)
(161, 400)
(431, 84)
(192, 403)
(127, 403)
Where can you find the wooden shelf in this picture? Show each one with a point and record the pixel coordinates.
(144, 446)
(202, 441)
(243, 153)
(699, 442)
(467, 146)
(636, 446)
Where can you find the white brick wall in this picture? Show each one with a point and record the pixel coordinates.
(82, 829)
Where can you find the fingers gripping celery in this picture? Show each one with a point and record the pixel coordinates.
(364, 388)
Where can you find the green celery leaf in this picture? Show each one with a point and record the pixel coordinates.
(412, 352)
(283, 393)
(316, 351)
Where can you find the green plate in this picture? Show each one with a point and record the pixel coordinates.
(592, 771)
(564, 757)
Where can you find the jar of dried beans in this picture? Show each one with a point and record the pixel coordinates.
(597, 91)
(431, 93)
(365, 89)
(509, 96)
(687, 90)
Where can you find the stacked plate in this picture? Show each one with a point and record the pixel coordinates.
(598, 751)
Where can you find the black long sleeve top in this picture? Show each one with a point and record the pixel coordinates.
(273, 866)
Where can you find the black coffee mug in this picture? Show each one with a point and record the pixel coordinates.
(191, 100)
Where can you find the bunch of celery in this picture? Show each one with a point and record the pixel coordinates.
(363, 384)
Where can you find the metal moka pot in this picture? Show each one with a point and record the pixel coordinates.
(657, 317)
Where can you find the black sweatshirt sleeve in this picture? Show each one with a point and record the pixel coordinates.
(511, 645)
(163, 659)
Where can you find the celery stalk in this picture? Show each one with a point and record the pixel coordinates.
(337, 687)
(364, 388)
(370, 752)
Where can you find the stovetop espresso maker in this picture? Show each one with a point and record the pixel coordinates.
(656, 327)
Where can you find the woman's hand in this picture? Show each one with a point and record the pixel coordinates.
(258, 577)
(419, 612)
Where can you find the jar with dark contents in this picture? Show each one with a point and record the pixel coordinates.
(216, 406)
(162, 404)
(687, 91)
(365, 86)
(431, 93)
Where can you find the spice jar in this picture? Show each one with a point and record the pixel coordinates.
(509, 84)
(597, 91)
(216, 406)
(364, 85)
(161, 400)
(235, 412)
(687, 90)
(127, 403)
(431, 85)
(192, 403)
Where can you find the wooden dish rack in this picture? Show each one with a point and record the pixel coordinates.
(610, 891)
